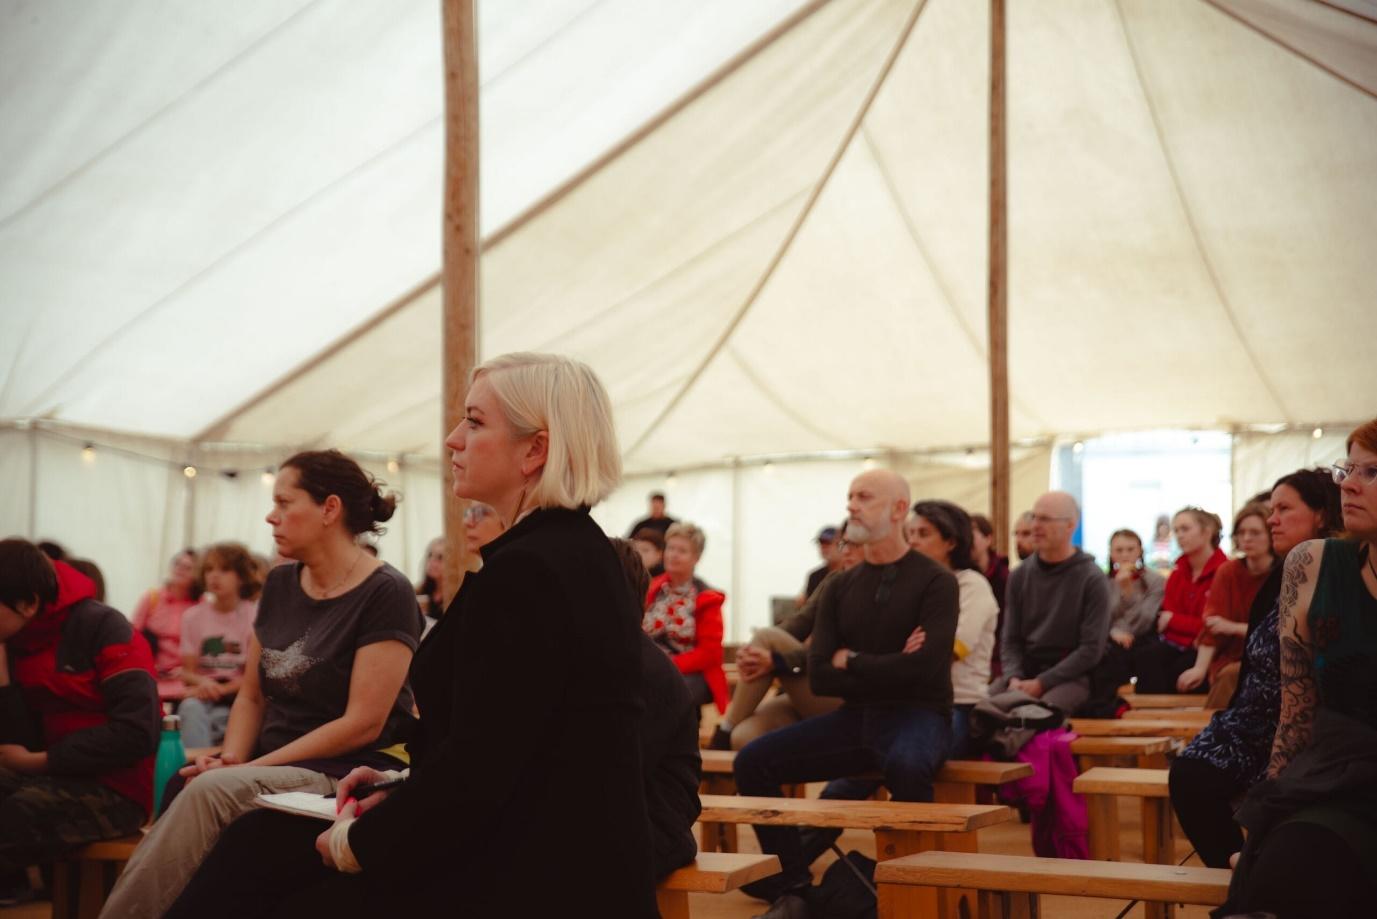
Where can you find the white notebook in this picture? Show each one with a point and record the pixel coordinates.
(303, 803)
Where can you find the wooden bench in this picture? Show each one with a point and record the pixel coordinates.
(83, 879)
(1103, 787)
(1196, 716)
(959, 782)
(711, 872)
(900, 828)
(1146, 752)
(1008, 886)
(1124, 727)
(1167, 701)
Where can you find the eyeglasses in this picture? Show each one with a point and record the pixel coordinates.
(1366, 473)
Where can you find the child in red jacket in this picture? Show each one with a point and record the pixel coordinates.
(79, 712)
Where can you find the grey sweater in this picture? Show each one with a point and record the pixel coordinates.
(1056, 619)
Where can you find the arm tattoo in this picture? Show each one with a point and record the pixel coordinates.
(1299, 696)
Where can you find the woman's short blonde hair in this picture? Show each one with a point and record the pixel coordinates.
(688, 531)
(564, 398)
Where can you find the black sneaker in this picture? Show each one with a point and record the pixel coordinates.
(789, 906)
(721, 739)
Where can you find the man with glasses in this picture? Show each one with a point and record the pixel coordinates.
(883, 643)
(1056, 612)
(79, 712)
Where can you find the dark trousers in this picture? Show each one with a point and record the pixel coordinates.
(266, 864)
(906, 743)
(43, 816)
(1158, 664)
(1202, 796)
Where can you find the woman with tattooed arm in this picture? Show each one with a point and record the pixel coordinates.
(1312, 827)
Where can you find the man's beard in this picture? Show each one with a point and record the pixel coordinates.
(1024, 555)
(863, 535)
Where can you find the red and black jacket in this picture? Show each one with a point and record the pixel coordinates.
(82, 687)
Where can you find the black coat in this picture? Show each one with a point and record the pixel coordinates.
(526, 795)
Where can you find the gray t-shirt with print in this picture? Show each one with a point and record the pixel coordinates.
(309, 646)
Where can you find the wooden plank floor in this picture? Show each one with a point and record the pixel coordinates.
(1008, 839)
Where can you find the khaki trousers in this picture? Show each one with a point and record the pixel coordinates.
(751, 719)
(168, 856)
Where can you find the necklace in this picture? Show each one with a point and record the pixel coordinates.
(325, 595)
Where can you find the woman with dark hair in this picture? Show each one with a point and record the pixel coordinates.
(995, 567)
(1230, 755)
(1158, 663)
(1136, 601)
(1312, 827)
(215, 641)
(550, 620)
(159, 617)
(430, 593)
(1226, 609)
(323, 689)
(942, 531)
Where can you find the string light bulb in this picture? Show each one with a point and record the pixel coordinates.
(189, 471)
(393, 466)
(1317, 433)
(869, 463)
(88, 453)
(1078, 447)
(267, 478)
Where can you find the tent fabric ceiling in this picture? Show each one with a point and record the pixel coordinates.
(209, 224)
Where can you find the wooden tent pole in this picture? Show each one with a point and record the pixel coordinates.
(459, 273)
(999, 286)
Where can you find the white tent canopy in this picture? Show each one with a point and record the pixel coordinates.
(221, 223)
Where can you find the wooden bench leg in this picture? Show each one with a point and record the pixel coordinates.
(1152, 761)
(65, 894)
(1159, 847)
(673, 904)
(958, 903)
(905, 901)
(1103, 811)
(717, 837)
(953, 793)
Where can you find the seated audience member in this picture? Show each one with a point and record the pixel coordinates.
(55, 551)
(1312, 828)
(1024, 544)
(481, 525)
(831, 561)
(651, 546)
(1226, 609)
(778, 652)
(215, 641)
(430, 593)
(683, 616)
(323, 688)
(1056, 613)
(1159, 663)
(92, 571)
(658, 520)
(1161, 544)
(940, 530)
(79, 714)
(159, 617)
(896, 712)
(995, 568)
(1230, 755)
(1136, 600)
(462, 833)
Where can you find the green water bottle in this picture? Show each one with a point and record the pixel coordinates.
(171, 757)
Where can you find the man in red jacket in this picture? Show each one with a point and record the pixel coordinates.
(79, 712)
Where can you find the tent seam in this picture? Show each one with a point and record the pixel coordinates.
(787, 243)
(248, 50)
(224, 258)
(769, 393)
(1189, 215)
(1352, 84)
(981, 351)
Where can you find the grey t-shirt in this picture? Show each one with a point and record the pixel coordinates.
(309, 646)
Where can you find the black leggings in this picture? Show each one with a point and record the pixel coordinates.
(1158, 664)
(1202, 797)
(1305, 870)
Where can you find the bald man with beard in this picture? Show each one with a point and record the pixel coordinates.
(883, 643)
(1056, 612)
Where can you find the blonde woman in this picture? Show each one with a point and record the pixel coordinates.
(538, 649)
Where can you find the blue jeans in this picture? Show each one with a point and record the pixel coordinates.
(906, 743)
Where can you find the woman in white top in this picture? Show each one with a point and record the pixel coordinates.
(942, 531)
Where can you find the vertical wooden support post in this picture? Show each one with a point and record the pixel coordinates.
(998, 319)
(459, 274)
